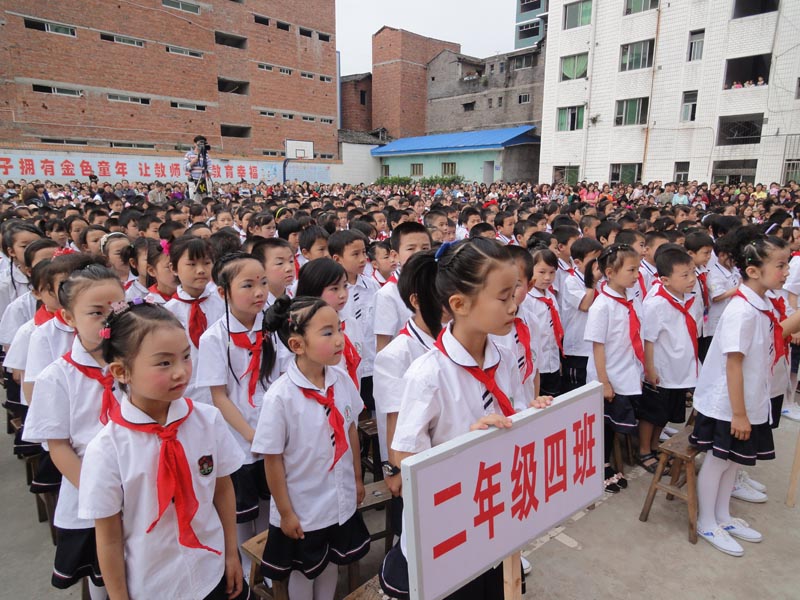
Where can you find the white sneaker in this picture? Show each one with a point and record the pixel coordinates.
(791, 412)
(722, 541)
(742, 491)
(741, 529)
(526, 565)
(744, 477)
(670, 431)
(663, 437)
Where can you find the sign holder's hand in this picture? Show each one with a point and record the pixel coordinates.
(493, 420)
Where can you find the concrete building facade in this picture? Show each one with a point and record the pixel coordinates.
(151, 75)
(637, 90)
(531, 22)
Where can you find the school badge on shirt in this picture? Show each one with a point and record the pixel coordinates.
(348, 414)
(206, 464)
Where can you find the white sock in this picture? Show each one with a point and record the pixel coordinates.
(96, 592)
(708, 481)
(244, 531)
(300, 587)
(722, 509)
(325, 584)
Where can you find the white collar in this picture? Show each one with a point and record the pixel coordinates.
(177, 410)
(296, 377)
(459, 355)
(234, 325)
(754, 299)
(206, 293)
(420, 336)
(80, 355)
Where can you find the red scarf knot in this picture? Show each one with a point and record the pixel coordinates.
(242, 340)
(524, 336)
(42, 315)
(558, 328)
(691, 324)
(781, 344)
(335, 420)
(634, 326)
(109, 401)
(153, 289)
(198, 322)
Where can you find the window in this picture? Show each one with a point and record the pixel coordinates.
(59, 91)
(326, 121)
(384, 170)
(181, 5)
(529, 30)
(791, 170)
(748, 8)
(734, 171)
(797, 91)
(325, 78)
(570, 118)
(287, 116)
(236, 131)
(308, 119)
(283, 26)
(689, 106)
(681, 172)
(285, 71)
(326, 156)
(229, 86)
(524, 99)
(184, 52)
(362, 97)
(696, 41)
(306, 32)
(632, 111)
(747, 71)
(129, 99)
(567, 175)
(261, 20)
(502, 67)
(324, 37)
(526, 61)
(491, 68)
(574, 67)
(60, 141)
(416, 169)
(270, 153)
(500, 102)
(267, 113)
(265, 67)
(50, 27)
(307, 75)
(638, 55)
(529, 5)
(625, 173)
(448, 168)
(577, 14)
(737, 130)
(182, 147)
(132, 145)
(468, 106)
(489, 101)
(637, 6)
(121, 39)
(228, 39)
(187, 106)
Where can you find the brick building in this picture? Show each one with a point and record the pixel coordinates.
(150, 75)
(356, 99)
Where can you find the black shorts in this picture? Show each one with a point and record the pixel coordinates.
(250, 485)
(550, 384)
(76, 558)
(619, 414)
(339, 544)
(715, 435)
(218, 593)
(777, 405)
(660, 406)
(703, 344)
(573, 372)
(366, 393)
(47, 477)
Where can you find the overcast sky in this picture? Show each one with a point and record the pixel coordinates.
(482, 28)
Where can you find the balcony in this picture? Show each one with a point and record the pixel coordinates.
(747, 71)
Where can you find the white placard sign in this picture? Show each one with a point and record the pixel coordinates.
(475, 500)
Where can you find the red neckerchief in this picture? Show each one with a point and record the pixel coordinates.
(335, 420)
(404, 331)
(242, 340)
(642, 285)
(703, 279)
(392, 279)
(60, 318)
(42, 315)
(485, 377)
(691, 324)
(109, 401)
(174, 480)
(198, 322)
(153, 289)
(795, 253)
(570, 269)
(634, 326)
(779, 304)
(524, 336)
(777, 330)
(127, 285)
(376, 272)
(351, 359)
(558, 328)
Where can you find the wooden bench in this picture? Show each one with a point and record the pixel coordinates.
(683, 473)
(370, 448)
(369, 591)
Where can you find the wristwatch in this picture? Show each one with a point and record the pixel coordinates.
(389, 470)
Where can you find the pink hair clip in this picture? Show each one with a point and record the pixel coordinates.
(165, 247)
(105, 333)
(119, 307)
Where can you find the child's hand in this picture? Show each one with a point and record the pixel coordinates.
(608, 392)
(493, 420)
(740, 427)
(541, 402)
(395, 484)
(290, 525)
(651, 377)
(233, 574)
(360, 492)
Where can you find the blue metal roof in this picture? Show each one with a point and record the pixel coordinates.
(464, 141)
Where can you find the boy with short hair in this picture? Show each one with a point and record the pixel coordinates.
(278, 259)
(523, 230)
(700, 247)
(504, 224)
(565, 236)
(636, 240)
(313, 244)
(382, 265)
(606, 232)
(652, 242)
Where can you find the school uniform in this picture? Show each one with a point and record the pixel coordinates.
(613, 321)
(522, 342)
(506, 241)
(671, 327)
(135, 289)
(780, 380)
(390, 311)
(20, 311)
(576, 349)
(792, 284)
(119, 473)
(720, 280)
(361, 306)
(49, 342)
(320, 478)
(13, 284)
(212, 308)
(745, 327)
(154, 296)
(380, 279)
(15, 359)
(69, 405)
(648, 274)
(225, 360)
(564, 270)
(544, 316)
(703, 294)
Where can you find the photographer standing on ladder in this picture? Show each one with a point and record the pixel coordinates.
(196, 164)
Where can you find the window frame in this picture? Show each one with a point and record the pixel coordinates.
(524, 98)
(694, 45)
(449, 169)
(574, 58)
(622, 110)
(628, 9)
(181, 51)
(181, 6)
(579, 4)
(417, 169)
(627, 55)
(573, 114)
(690, 106)
(128, 99)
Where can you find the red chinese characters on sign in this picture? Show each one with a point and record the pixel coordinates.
(215, 171)
(485, 491)
(253, 172)
(583, 448)
(5, 165)
(241, 171)
(86, 168)
(120, 168)
(48, 167)
(555, 464)
(26, 166)
(103, 168)
(459, 538)
(174, 170)
(160, 169)
(67, 168)
(144, 170)
(228, 171)
(523, 476)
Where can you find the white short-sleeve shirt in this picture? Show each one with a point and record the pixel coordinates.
(361, 305)
(514, 347)
(17, 355)
(297, 428)
(744, 329)
(538, 315)
(574, 319)
(648, 273)
(20, 311)
(673, 350)
(49, 342)
(119, 475)
(720, 280)
(13, 284)
(609, 324)
(67, 407)
(135, 290)
(781, 371)
(792, 284)
(390, 310)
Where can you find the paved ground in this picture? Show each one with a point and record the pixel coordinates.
(606, 553)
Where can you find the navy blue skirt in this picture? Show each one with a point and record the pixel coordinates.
(715, 435)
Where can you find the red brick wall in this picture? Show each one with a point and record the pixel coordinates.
(355, 115)
(399, 79)
(100, 67)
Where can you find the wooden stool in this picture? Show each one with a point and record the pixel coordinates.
(377, 495)
(369, 591)
(683, 473)
(254, 548)
(370, 448)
